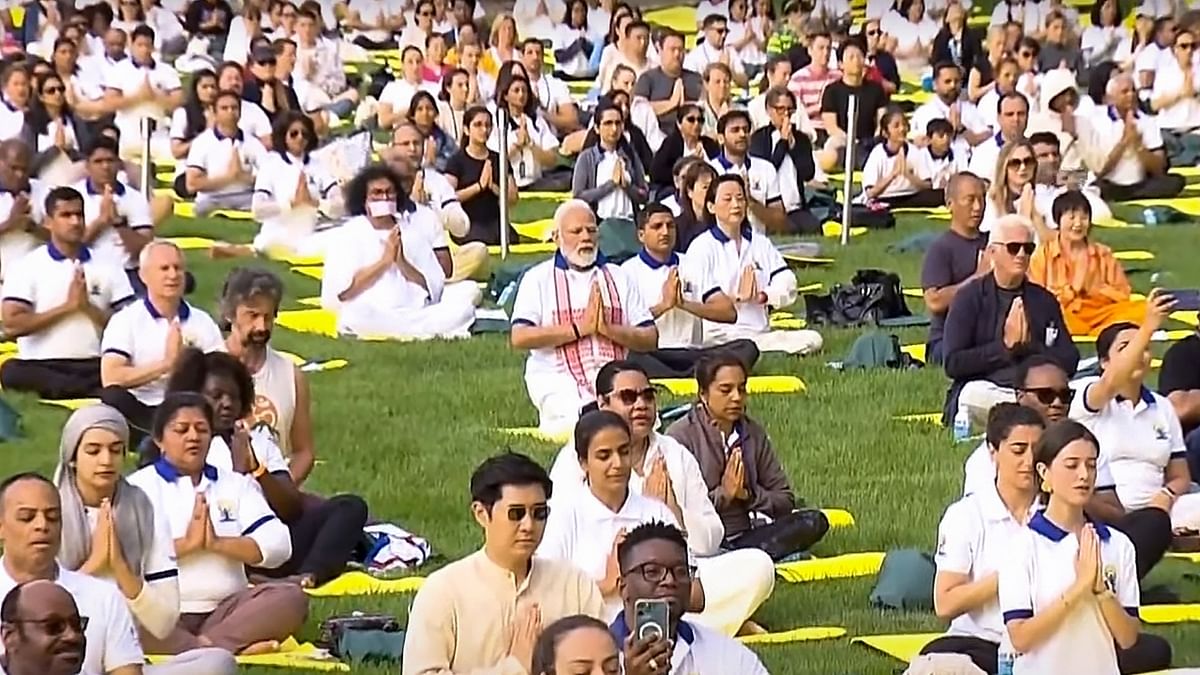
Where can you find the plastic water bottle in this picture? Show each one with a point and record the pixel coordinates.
(1005, 661)
(1149, 217)
(962, 424)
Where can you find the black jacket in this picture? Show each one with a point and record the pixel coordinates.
(801, 153)
(972, 48)
(973, 342)
(662, 165)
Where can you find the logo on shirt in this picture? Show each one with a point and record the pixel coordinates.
(264, 415)
(226, 508)
(1160, 433)
(95, 290)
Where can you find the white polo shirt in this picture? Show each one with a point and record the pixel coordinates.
(131, 205)
(1104, 131)
(42, 280)
(981, 471)
(112, 638)
(252, 121)
(676, 328)
(128, 77)
(713, 251)
(937, 109)
(16, 244)
(881, 161)
(139, 333)
(266, 451)
(210, 152)
(551, 92)
(525, 167)
(699, 650)
(400, 92)
(12, 120)
(277, 178)
(237, 509)
(1168, 79)
(357, 244)
(984, 158)
(973, 540)
(1040, 568)
(704, 54)
(938, 170)
(1139, 437)
(762, 181)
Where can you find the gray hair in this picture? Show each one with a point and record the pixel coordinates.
(244, 283)
(1111, 87)
(566, 208)
(148, 249)
(1012, 221)
(132, 510)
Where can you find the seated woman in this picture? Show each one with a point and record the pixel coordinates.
(323, 532)
(1012, 189)
(1138, 428)
(685, 141)
(737, 582)
(915, 32)
(189, 121)
(576, 644)
(50, 131)
(1069, 588)
(744, 477)
(587, 525)
(440, 146)
(220, 523)
(693, 221)
(474, 172)
(974, 536)
(1083, 274)
(896, 172)
(110, 530)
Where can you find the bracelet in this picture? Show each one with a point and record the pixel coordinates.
(259, 470)
(575, 327)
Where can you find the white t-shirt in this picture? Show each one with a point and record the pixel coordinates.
(712, 250)
(762, 181)
(881, 161)
(1104, 130)
(357, 244)
(399, 94)
(984, 158)
(211, 152)
(131, 205)
(128, 78)
(43, 279)
(16, 244)
(676, 328)
(937, 109)
(277, 179)
(525, 166)
(703, 54)
(266, 451)
(1168, 79)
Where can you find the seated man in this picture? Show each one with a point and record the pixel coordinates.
(35, 648)
(1012, 118)
(785, 146)
(117, 216)
(683, 295)
(142, 341)
(611, 179)
(574, 313)
(835, 110)
(968, 125)
(484, 612)
(57, 301)
(1179, 381)
(553, 98)
(999, 320)
(954, 259)
(809, 82)
(20, 204)
(382, 277)
(1050, 181)
(1124, 148)
(320, 75)
(222, 160)
(140, 87)
(669, 85)
(1082, 273)
(645, 557)
(765, 203)
(714, 48)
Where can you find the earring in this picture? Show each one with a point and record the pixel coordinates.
(1046, 486)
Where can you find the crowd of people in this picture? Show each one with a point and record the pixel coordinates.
(677, 169)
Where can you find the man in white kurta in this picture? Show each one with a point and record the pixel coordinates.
(574, 313)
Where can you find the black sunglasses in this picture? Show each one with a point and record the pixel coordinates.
(1018, 162)
(631, 396)
(1015, 247)
(1048, 395)
(692, 119)
(540, 513)
(57, 625)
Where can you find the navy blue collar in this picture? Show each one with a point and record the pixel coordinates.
(560, 261)
(184, 310)
(9, 105)
(169, 473)
(287, 157)
(727, 165)
(1041, 524)
(84, 254)
(1114, 116)
(654, 263)
(719, 234)
(888, 151)
(949, 154)
(151, 65)
(1146, 396)
(118, 188)
(999, 140)
(620, 630)
(236, 135)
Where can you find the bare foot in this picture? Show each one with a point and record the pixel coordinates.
(301, 580)
(263, 647)
(222, 250)
(751, 628)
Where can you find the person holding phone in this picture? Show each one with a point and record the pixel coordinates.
(655, 582)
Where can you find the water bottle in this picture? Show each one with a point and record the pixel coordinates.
(1149, 217)
(1005, 661)
(962, 424)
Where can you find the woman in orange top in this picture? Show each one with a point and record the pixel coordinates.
(1085, 277)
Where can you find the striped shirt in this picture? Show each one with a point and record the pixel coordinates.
(808, 85)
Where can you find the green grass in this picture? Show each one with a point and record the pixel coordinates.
(404, 425)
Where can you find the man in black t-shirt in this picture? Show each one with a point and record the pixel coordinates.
(955, 258)
(835, 104)
(1179, 381)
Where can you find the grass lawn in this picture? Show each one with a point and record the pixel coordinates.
(404, 425)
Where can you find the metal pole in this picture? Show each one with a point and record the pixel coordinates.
(848, 183)
(147, 128)
(502, 179)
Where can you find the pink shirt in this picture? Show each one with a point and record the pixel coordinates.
(808, 86)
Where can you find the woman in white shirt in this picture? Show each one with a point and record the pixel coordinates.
(736, 582)
(1012, 190)
(533, 148)
(1101, 39)
(895, 172)
(397, 95)
(717, 101)
(189, 121)
(169, 36)
(1069, 590)
(1175, 97)
(292, 192)
(129, 16)
(242, 32)
(746, 36)
(572, 44)
(452, 104)
(110, 530)
(914, 31)
(587, 525)
(50, 132)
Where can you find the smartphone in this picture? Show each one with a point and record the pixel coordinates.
(1186, 300)
(651, 618)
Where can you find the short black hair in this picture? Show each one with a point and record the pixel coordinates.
(1011, 95)
(1031, 363)
(1029, 43)
(609, 371)
(709, 365)
(713, 19)
(102, 143)
(649, 210)
(141, 30)
(944, 65)
(60, 194)
(670, 34)
(509, 468)
(11, 606)
(635, 25)
(174, 402)
(775, 93)
(1044, 138)
(851, 43)
(1108, 337)
(591, 423)
(654, 530)
(244, 283)
(545, 651)
(20, 478)
(1006, 416)
(735, 114)
(1071, 200)
(227, 93)
(532, 42)
(194, 367)
(939, 125)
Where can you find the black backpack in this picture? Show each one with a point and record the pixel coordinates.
(872, 296)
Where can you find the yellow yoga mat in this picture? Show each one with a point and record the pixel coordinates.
(811, 288)
(165, 177)
(361, 583)
(757, 384)
(929, 418)
(915, 351)
(71, 403)
(1133, 255)
(311, 271)
(519, 249)
(1191, 557)
(794, 635)
(309, 366)
(807, 260)
(1170, 613)
(535, 433)
(832, 229)
(1114, 223)
(7, 347)
(837, 567)
(682, 18)
(1190, 318)
(902, 647)
(913, 293)
(787, 323)
(549, 196)
(1186, 170)
(283, 256)
(917, 97)
(310, 302)
(541, 230)
(838, 518)
(291, 654)
(188, 210)
(192, 243)
(317, 321)
(929, 211)
(1188, 205)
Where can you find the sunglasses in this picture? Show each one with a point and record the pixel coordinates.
(297, 133)
(1015, 247)
(52, 90)
(1022, 162)
(872, 33)
(722, 31)
(691, 119)
(58, 625)
(631, 396)
(1025, 54)
(540, 513)
(1048, 395)
(1187, 46)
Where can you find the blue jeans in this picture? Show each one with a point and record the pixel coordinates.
(1192, 442)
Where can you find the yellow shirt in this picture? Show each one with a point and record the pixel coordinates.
(462, 618)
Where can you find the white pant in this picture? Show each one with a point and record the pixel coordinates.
(979, 396)
(205, 661)
(557, 400)
(450, 318)
(1186, 511)
(735, 585)
(801, 342)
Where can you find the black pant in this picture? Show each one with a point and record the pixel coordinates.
(369, 44)
(1148, 654)
(139, 415)
(920, 199)
(678, 362)
(1153, 187)
(53, 378)
(795, 532)
(323, 537)
(802, 221)
(1150, 531)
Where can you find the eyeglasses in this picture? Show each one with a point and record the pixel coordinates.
(786, 109)
(539, 512)
(692, 119)
(1015, 247)
(1048, 395)
(631, 396)
(297, 133)
(1186, 46)
(721, 31)
(57, 625)
(655, 573)
(52, 90)
(1022, 162)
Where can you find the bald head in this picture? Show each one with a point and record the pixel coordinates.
(42, 630)
(576, 231)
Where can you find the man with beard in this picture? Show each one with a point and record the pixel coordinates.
(1050, 180)
(574, 313)
(249, 304)
(42, 630)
